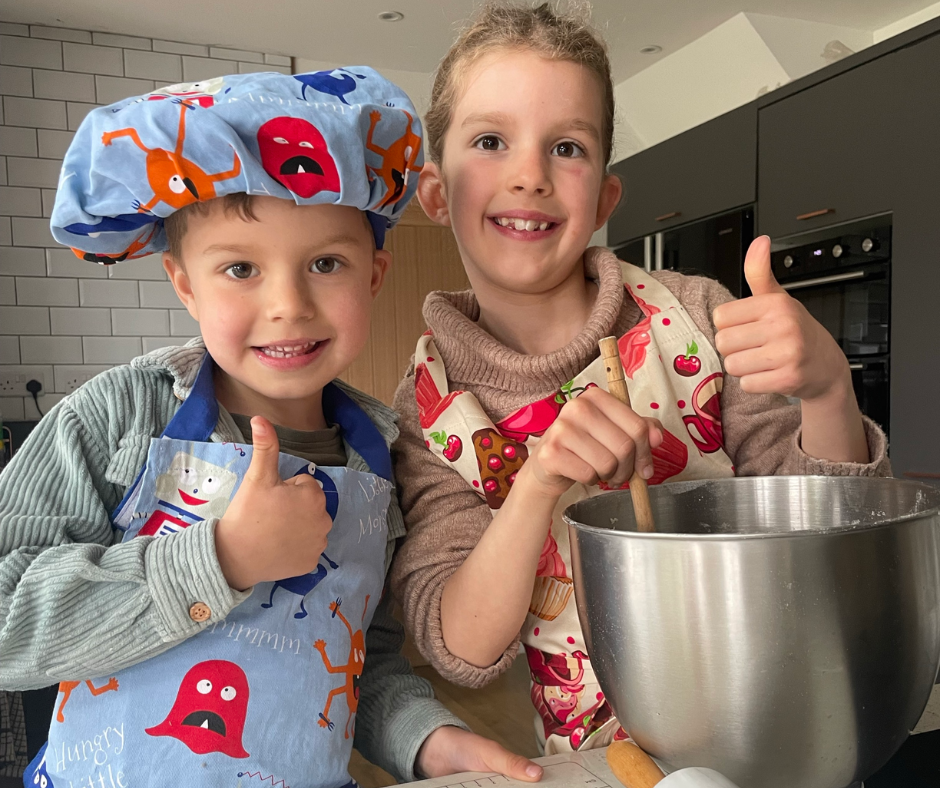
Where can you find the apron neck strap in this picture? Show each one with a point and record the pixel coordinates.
(359, 430)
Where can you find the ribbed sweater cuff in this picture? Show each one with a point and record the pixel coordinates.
(878, 464)
(412, 725)
(183, 569)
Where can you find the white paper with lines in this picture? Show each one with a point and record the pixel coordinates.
(569, 770)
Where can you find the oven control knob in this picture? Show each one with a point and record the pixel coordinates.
(837, 251)
(869, 244)
(788, 261)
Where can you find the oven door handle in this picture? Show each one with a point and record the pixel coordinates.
(825, 280)
(856, 367)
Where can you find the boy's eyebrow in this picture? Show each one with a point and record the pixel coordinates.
(335, 240)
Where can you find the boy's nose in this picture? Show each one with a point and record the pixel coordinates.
(290, 300)
(530, 174)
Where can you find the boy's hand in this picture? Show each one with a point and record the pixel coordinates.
(451, 750)
(772, 343)
(595, 438)
(273, 528)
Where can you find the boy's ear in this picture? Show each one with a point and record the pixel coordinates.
(381, 260)
(181, 284)
(431, 194)
(611, 192)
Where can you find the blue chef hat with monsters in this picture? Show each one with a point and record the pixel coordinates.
(341, 137)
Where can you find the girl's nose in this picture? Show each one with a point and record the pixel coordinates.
(530, 173)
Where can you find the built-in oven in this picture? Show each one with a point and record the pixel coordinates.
(713, 247)
(844, 281)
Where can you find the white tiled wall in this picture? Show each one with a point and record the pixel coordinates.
(66, 316)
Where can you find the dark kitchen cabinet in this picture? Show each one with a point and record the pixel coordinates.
(828, 153)
(704, 171)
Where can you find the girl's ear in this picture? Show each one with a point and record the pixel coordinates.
(431, 194)
(611, 192)
(181, 284)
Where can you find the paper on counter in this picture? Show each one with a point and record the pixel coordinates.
(586, 769)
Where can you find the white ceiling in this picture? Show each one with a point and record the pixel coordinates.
(348, 31)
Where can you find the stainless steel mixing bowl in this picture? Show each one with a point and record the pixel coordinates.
(784, 631)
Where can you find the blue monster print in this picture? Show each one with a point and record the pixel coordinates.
(36, 774)
(304, 584)
(301, 585)
(114, 224)
(325, 82)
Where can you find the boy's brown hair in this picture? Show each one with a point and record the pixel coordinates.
(543, 30)
(175, 224)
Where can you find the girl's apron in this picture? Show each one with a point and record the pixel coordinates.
(269, 695)
(675, 375)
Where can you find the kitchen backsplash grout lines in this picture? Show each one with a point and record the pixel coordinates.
(68, 317)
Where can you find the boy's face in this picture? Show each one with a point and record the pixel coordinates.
(283, 303)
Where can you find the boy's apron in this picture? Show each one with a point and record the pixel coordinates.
(269, 695)
(675, 375)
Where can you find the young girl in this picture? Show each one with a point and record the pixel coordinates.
(505, 417)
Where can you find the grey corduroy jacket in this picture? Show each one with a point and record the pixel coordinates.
(77, 603)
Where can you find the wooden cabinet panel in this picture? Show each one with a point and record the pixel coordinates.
(424, 258)
(707, 170)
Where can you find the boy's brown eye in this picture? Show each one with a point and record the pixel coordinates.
(326, 265)
(240, 270)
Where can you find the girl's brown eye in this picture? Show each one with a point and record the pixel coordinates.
(489, 143)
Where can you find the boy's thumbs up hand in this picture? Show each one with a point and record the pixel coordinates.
(273, 528)
(772, 343)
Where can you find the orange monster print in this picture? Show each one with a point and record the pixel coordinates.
(66, 687)
(403, 153)
(128, 254)
(175, 180)
(352, 669)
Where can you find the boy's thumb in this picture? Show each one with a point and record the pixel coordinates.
(757, 269)
(264, 454)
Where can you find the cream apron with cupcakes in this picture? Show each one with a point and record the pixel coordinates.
(673, 374)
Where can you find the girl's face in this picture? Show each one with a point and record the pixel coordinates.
(522, 179)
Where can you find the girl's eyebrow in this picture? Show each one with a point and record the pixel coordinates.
(502, 119)
(489, 118)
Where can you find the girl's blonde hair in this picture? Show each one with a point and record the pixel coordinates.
(543, 30)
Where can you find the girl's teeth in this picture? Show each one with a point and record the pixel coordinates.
(523, 225)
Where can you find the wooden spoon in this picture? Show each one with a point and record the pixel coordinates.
(633, 767)
(617, 384)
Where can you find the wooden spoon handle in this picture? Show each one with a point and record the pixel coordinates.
(617, 384)
(633, 767)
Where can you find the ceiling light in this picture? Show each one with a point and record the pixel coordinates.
(391, 16)
(652, 49)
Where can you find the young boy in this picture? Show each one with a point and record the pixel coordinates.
(206, 604)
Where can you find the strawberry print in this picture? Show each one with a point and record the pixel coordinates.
(453, 446)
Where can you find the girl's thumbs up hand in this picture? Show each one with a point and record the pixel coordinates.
(772, 343)
(273, 528)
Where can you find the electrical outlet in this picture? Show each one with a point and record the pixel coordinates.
(76, 380)
(13, 381)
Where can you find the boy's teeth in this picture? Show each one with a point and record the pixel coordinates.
(287, 351)
(543, 226)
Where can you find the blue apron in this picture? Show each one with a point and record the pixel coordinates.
(269, 695)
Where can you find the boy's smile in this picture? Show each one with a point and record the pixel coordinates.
(283, 301)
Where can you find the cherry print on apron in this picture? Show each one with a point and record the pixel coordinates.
(674, 375)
